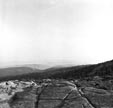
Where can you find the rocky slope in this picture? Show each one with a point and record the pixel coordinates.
(49, 93)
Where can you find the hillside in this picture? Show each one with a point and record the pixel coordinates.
(104, 69)
(14, 71)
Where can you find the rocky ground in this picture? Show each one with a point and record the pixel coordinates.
(49, 93)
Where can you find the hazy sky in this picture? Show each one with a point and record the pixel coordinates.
(56, 31)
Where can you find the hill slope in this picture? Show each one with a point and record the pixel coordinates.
(14, 71)
(104, 69)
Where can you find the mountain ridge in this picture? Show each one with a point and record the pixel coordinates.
(103, 69)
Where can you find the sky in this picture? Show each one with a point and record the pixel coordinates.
(55, 31)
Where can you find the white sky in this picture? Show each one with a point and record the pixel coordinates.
(55, 31)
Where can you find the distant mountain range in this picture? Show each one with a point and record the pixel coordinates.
(37, 66)
(104, 69)
(14, 71)
(24, 69)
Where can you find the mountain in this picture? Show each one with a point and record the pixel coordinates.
(19, 70)
(104, 69)
(14, 71)
(37, 66)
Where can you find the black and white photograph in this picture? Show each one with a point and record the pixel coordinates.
(56, 53)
